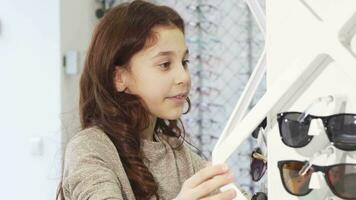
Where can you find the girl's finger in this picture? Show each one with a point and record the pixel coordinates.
(205, 174)
(213, 184)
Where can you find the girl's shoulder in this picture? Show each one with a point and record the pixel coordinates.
(92, 166)
(92, 134)
(90, 143)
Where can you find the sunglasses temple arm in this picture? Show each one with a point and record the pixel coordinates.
(305, 168)
(326, 99)
(328, 150)
(259, 156)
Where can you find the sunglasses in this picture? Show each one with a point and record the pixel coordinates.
(258, 165)
(340, 178)
(260, 128)
(340, 129)
(259, 196)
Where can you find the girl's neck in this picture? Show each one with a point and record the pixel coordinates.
(148, 133)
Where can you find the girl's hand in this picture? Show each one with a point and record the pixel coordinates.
(206, 181)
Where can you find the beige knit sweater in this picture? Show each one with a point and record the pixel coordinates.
(93, 169)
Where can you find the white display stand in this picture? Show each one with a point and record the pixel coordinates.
(298, 29)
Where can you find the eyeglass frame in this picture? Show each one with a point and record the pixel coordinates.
(325, 120)
(257, 155)
(317, 168)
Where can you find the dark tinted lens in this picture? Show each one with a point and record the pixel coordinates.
(293, 131)
(262, 125)
(293, 182)
(343, 131)
(342, 180)
(256, 132)
(259, 196)
(258, 168)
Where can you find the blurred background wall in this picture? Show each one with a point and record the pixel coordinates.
(30, 103)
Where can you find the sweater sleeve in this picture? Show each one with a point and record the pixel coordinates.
(87, 172)
(197, 161)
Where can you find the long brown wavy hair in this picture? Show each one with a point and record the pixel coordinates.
(122, 32)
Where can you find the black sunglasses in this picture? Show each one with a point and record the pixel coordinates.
(258, 165)
(340, 178)
(340, 128)
(259, 196)
(262, 125)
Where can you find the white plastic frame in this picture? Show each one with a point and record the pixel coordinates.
(284, 92)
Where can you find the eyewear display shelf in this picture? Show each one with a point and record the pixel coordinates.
(299, 31)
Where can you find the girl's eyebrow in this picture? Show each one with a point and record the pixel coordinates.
(168, 53)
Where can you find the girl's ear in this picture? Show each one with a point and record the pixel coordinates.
(120, 78)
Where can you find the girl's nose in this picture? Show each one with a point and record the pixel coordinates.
(182, 76)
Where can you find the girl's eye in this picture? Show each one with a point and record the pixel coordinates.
(165, 65)
(185, 63)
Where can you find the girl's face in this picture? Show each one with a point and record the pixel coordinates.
(159, 74)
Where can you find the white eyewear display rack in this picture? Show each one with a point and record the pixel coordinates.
(296, 30)
(310, 53)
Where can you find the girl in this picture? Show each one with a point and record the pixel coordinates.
(132, 92)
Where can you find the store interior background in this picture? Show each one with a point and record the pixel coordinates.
(39, 104)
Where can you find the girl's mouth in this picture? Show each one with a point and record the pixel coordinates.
(178, 98)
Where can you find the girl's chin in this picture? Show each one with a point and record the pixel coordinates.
(173, 115)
